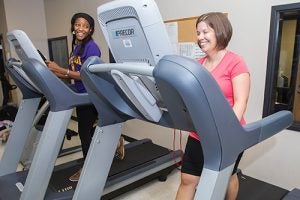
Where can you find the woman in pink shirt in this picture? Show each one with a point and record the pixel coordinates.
(214, 32)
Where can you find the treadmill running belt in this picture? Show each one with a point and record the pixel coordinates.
(135, 157)
(253, 189)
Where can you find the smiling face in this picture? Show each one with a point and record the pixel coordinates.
(206, 36)
(82, 29)
(214, 31)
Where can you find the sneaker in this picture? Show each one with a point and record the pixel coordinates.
(75, 177)
(120, 152)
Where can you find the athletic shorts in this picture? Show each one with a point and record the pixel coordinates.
(193, 160)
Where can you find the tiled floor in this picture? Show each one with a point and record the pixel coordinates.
(154, 190)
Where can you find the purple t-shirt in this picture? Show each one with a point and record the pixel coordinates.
(76, 61)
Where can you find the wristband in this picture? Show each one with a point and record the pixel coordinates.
(68, 72)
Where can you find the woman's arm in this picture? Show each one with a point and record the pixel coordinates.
(62, 72)
(241, 90)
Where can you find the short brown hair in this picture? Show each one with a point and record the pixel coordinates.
(220, 24)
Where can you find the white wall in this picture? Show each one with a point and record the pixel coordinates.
(277, 159)
(28, 16)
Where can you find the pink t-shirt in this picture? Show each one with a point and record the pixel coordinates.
(230, 66)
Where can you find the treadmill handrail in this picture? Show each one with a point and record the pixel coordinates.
(135, 90)
(111, 105)
(27, 89)
(134, 68)
(138, 95)
(17, 66)
(269, 125)
(48, 83)
(42, 76)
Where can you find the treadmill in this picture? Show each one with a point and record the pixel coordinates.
(177, 79)
(39, 182)
(223, 137)
(33, 184)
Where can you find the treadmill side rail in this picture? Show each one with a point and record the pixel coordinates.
(100, 154)
(47, 151)
(18, 136)
(213, 184)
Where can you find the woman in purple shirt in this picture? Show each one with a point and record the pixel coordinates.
(82, 28)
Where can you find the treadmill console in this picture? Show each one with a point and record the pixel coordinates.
(131, 29)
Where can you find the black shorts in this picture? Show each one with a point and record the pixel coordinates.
(193, 160)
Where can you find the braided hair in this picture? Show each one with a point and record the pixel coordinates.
(89, 37)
